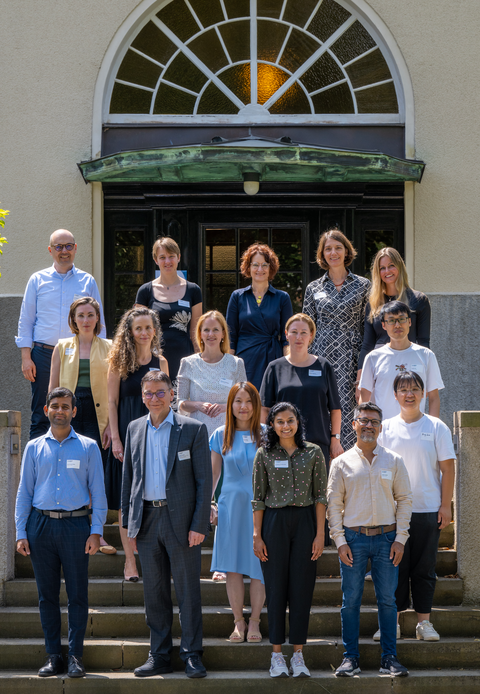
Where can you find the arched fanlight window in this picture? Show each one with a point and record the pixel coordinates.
(253, 58)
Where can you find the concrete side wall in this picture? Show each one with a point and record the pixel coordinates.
(9, 478)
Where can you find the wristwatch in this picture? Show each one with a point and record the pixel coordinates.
(335, 436)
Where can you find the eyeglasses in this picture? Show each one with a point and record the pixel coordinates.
(364, 421)
(256, 266)
(159, 394)
(392, 321)
(413, 389)
(67, 246)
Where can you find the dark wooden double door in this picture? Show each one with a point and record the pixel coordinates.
(214, 229)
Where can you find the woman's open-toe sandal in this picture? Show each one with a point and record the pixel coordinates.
(254, 636)
(237, 636)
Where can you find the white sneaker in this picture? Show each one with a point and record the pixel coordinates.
(425, 631)
(376, 636)
(278, 666)
(297, 665)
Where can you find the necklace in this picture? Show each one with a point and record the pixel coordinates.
(259, 299)
(167, 286)
(339, 285)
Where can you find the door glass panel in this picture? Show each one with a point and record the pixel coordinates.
(375, 239)
(218, 289)
(249, 236)
(287, 244)
(292, 283)
(129, 260)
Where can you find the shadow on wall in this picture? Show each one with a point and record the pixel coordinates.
(15, 391)
(456, 342)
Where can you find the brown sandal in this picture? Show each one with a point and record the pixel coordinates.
(254, 636)
(236, 636)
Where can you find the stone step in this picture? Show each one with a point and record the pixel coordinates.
(112, 536)
(115, 591)
(369, 682)
(218, 682)
(129, 622)
(112, 565)
(320, 654)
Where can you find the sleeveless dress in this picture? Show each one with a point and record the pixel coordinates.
(130, 407)
(233, 545)
(175, 320)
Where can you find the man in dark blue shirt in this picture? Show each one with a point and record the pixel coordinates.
(61, 470)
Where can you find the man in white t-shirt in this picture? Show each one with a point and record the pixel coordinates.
(425, 444)
(382, 365)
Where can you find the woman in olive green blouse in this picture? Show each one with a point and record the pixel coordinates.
(289, 501)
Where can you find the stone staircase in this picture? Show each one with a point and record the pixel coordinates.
(117, 638)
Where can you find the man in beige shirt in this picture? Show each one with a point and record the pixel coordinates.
(369, 508)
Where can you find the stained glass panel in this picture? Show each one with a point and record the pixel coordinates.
(171, 101)
(237, 8)
(299, 12)
(299, 48)
(322, 73)
(269, 8)
(335, 100)
(183, 72)
(127, 99)
(368, 70)
(355, 41)
(270, 38)
(215, 101)
(269, 79)
(154, 43)
(237, 40)
(237, 79)
(329, 18)
(208, 48)
(293, 101)
(208, 11)
(139, 70)
(381, 99)
(179, 19)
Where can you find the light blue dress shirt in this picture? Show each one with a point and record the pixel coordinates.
(46, 304)
(156, 458)
(60, 476)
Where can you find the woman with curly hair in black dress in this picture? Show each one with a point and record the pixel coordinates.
(289, 501)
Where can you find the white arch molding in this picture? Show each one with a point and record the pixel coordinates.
(141, 15)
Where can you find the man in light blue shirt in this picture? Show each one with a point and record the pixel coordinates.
(44, 318)
(61, 470)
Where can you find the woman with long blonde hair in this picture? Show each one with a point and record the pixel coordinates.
(233, 448)
(390, 283)
(135, 351)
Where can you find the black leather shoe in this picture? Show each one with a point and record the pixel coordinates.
(154, 665)
(75, 666)
(53, 666)
(194, 667)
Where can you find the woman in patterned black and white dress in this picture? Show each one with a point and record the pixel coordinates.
(336, 302)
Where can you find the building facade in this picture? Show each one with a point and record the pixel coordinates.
(132, 119)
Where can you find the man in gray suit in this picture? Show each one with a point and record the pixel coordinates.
(166, 494)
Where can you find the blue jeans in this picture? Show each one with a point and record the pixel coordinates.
(385, 578)
(42, 358)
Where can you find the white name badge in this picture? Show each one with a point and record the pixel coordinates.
(186, 304)
(320, 295)
(184, 455)
(427, 436)
(418, 368)
(386, 474)
(312, 372)
(153, 368)
(75, 464)
(281, 463)
(227, 382)
(247, 439)
(69, 351)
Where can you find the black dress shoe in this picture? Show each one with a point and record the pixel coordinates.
(194, 667)
(75, 666)
(154, 665)
(53, 666)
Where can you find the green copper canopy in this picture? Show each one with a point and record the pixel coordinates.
(228, 160)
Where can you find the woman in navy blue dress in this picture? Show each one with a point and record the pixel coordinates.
(256, 315)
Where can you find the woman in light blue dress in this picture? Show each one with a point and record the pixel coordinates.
(233, 447)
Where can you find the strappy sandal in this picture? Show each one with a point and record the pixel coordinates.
(254, 636)
(236, 636)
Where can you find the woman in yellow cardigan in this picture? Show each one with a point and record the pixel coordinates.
(79, 364)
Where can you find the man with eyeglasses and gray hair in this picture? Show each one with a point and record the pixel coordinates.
(369, 509)
(397, 356)
(44, 318)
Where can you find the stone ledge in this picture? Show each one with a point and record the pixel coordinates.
(468, 419)
(10, 418)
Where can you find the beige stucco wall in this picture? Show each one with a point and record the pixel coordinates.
(51, 51)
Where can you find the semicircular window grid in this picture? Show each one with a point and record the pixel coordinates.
(229, 57)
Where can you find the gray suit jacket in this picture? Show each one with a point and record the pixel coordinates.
(188, 481)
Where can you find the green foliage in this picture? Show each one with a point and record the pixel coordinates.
(3, 214)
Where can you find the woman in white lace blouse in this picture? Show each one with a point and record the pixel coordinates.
(205, 379)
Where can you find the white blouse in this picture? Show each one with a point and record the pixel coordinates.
(204, 382)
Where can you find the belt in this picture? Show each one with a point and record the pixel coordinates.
(40, 344)
(65, 514)
(157, 503)
(373, 529)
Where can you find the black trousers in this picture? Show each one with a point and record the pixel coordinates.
(289, 573)
(417, 568)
